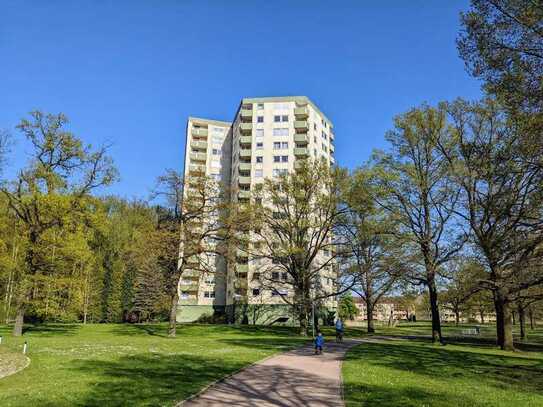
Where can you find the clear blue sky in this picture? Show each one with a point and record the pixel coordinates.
(130, 72)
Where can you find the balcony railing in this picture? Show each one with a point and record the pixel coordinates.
(246, 127)
(199, 132)
(301, 152)
(200, 145)
(198, 157)
(244, 194)
(245, 140)
(244, 180)
(245, 153)
(301, 138)
(301, 112)
(245, 166)
(301, 126)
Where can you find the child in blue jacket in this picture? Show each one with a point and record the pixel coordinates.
(319, 341)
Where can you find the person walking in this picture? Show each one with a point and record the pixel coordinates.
(339, 330)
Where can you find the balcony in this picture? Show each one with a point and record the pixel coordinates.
(301, 126)
(199, 132)
(245, 166)
(246, 113)
(245, 153)
(198, 157)
(242, 283)
(244, 194)
(301, 112)
(194, 168)
(186, 286)
(191, 300)
(246, 128)
(245, 139)
(199, 145)
(191, 274)
(301, 138)
(244, 180)
(301, 152)
(242, 268)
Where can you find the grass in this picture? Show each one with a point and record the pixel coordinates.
(113, 365)
(468, 371)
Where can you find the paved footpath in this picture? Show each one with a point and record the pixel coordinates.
(294, 379)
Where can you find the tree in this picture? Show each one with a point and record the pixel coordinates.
(347, 310)
(417, 192)
(462, 286)
(502, 43)
(194, 229)
(372, 249)
(501, 184)
(293, 219)
(55, 184)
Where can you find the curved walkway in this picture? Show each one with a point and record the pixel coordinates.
(294, 379)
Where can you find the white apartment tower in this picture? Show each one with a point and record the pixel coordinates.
(267, 137)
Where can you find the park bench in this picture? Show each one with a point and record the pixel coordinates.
(471, 331)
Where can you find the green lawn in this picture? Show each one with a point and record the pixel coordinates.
(466, 372)
(130, 364)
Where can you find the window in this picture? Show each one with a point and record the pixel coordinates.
(276, 158)
(315, 139)
(259, 146)
(260, 119)
(210, 280)
(325, 149)
(259, 174)
(284, 158)
(260, 106)
(314, 126)
(256, 292)
(324, 136)
(279, 171)
(209, 294)
(259, 133)
(184, 295)
(276, 119)
(259, 159)
(256, 276)
(284, 118)
(275, 275)
(284, 144)
(284, 276)
(216, 151)
(280, 132)
(276, 145)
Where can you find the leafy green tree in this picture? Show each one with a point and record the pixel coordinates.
(347, 309)
(416, 191)
(502, 187)
(372, 248)
(55, 184)
(293, 220)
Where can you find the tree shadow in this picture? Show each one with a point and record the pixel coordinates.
(500, 371)
(51, 329)
(150, 380)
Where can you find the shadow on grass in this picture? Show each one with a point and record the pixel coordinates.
(51, 329)
(500, 371)
(373, 395)
(150, 380)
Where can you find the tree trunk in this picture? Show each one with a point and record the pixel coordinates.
(457, 317)
(482, 315)
(504, 326)
(531, 315)
(513, 316)
(522, 321)
(172, 327)
(19, 320)
(369, 316)
(508, 343)
(434, 308)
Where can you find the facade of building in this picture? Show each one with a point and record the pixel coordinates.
(266, 138)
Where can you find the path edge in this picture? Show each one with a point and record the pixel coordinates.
(18, 370)
(228, 376)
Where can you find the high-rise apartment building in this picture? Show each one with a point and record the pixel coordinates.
(266, 138)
